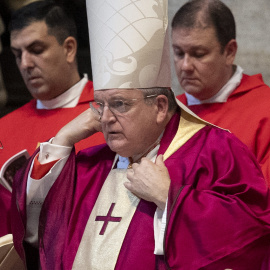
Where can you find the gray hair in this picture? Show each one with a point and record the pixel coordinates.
(166, 91)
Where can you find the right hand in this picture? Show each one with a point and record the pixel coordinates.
(81, 127)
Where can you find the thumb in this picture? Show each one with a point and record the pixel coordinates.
(159, 161)
(127, 185)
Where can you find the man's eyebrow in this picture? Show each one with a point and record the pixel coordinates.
(176, 46)
(14, 49)
(192, 48)
(199, 47)
(34, 43)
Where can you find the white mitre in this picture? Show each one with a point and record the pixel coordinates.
(129, 43)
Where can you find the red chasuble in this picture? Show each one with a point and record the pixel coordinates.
(245, 114)
(218, 208)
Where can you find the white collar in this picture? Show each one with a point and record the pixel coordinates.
(68, 99)
(222, 95)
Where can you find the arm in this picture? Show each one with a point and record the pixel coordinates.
(40, 180)
(59, 148)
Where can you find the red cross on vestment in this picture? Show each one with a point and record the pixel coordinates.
(107, 219)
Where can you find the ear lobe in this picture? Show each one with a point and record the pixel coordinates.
(70, 46)
(162, 108)
(230, 51)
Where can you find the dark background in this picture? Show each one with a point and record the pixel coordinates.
(18, 94)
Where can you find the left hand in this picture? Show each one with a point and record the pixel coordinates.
(84, 125)
(150, 181)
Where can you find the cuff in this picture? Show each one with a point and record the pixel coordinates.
(50, 152)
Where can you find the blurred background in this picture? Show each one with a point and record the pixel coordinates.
(253, 36)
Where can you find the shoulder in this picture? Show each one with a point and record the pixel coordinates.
(221, 137)
(216, 142)
(87, 93)
(28, 107)
(182, 98)
(210, 142)
(213, 156)
(250, 82)
(224, 152)
(252, 88)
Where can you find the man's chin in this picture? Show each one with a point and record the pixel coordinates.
(121, 150)
(193, 91)
(39, 93)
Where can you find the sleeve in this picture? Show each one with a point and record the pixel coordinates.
(212, 231)
(160, 220)
(38, 188)
(218, 209)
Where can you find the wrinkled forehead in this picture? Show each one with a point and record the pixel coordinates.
(108, 94)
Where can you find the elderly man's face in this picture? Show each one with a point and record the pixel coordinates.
(41, 60)
(201, 66)
(132, 132)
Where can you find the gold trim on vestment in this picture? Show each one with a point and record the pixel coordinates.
(186, 130)
(189, 125)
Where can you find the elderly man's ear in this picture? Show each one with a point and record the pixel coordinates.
(162, 104)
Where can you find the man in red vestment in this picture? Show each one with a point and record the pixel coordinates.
(44, 42)
(167, 191)
(204, 45)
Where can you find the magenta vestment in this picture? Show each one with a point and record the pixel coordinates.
(5, 200)
(218, 208)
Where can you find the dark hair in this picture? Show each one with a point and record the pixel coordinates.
(214, 13)
(161, 91)
(59, 21)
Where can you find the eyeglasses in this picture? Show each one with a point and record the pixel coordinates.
(117, 106)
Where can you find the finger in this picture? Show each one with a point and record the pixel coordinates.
(160, 161)
(145, 159)
(135, 166)
(130, 174)
(128, 185)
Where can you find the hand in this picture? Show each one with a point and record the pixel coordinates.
(150, 181)
(81, 127)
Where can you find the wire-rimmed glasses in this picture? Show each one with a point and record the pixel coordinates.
(116, 106)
